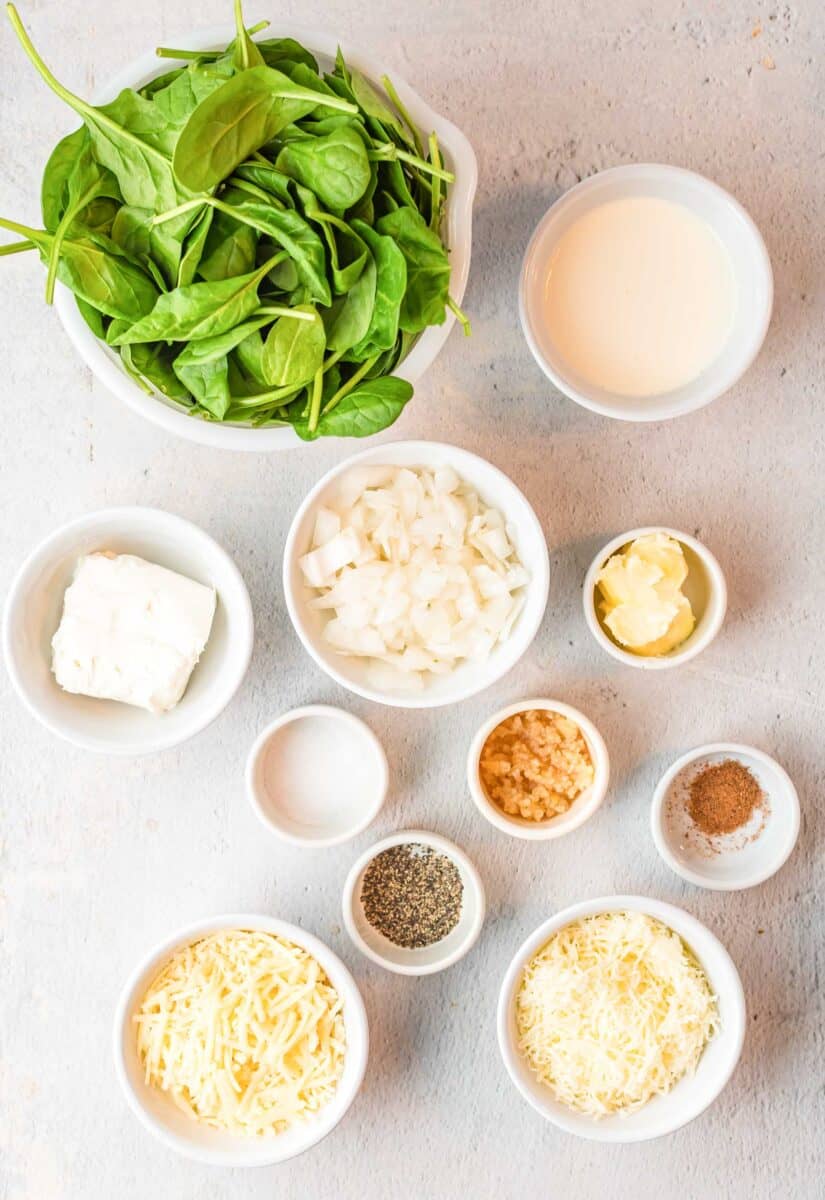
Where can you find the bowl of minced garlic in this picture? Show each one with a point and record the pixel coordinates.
(538, 769)
(654, 597)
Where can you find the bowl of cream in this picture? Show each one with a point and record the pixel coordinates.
(646, 292)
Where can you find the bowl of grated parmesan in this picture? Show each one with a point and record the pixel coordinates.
(621, 1019)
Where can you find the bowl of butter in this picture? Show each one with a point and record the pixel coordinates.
(654, 597)
(127, 631)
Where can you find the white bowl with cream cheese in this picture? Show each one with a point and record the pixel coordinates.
(35, 605)
(646, 292)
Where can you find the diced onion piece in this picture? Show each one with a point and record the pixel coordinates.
(417, 571)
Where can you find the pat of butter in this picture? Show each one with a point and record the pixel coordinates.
(131, 631)
(642, 602)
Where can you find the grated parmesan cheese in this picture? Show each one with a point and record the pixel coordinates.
(612, 1011)
(244, 1031)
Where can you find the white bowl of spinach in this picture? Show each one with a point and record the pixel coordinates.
(256, 243)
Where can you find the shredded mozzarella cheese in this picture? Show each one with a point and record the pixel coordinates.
(416, 572)
(613, 1011)
(244, 1031)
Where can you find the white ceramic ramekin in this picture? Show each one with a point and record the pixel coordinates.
(734, 865)
(582, 807)
(524, 529)
(428, 959)
(169, 1124)
(692, 1094)
(458, 157)
(35, 605)
(751, 270)
(324, 784)
(705, 588)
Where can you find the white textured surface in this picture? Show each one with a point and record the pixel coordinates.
(100, 859)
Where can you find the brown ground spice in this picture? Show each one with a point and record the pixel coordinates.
(723, 798)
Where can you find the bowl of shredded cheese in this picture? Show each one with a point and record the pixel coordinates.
(621, 1019)
(416, 574)
(240, 1041)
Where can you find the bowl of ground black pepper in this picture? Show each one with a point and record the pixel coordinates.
(725, 816)
(414, 903)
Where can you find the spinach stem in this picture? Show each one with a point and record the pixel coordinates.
(435, 190)
(281, 310)
(315, 402)
(85, 110)
(187, 206)
(389, 152)
(17, 247)
(278, 396)
(188, 55)
(60, 233)
(347, 387)
(460, 316)
(26, 231)
(244, 185)
(389, 88)
(332, 360)
(171, 52)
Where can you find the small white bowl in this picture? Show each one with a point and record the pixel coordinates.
(737, 862)
(523, 528)
(35, 605)
(458, 157)
(751, 270)
(317, 776)
(169, 1124)
(582, 807)
(428, 959)
(692, 1094)
(705, 588)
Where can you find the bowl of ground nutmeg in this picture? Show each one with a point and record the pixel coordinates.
(414, 903)
(538, 769)
(725, 816)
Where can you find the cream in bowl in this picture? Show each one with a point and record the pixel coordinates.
(646, 292)
(538, 769)
(654, 597)
(621, 1019)
(240, 1041)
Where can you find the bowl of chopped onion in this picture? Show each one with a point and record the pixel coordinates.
(240, 1041)
(621, 1019)
(416, 574)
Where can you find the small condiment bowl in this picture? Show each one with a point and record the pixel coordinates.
(428, 959)
(693, 1093)
(733, 862)
(523, 527)
(35, 604)
(582, 807)
(158, 1113)
(705, 587)
(317, 776)
(753, 281)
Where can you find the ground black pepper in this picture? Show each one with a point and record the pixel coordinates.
(412, 895)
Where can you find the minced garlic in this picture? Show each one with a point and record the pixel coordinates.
(535, 764)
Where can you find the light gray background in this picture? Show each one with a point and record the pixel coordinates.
(100, 859)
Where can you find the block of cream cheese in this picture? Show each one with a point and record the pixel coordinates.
(131, 631)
